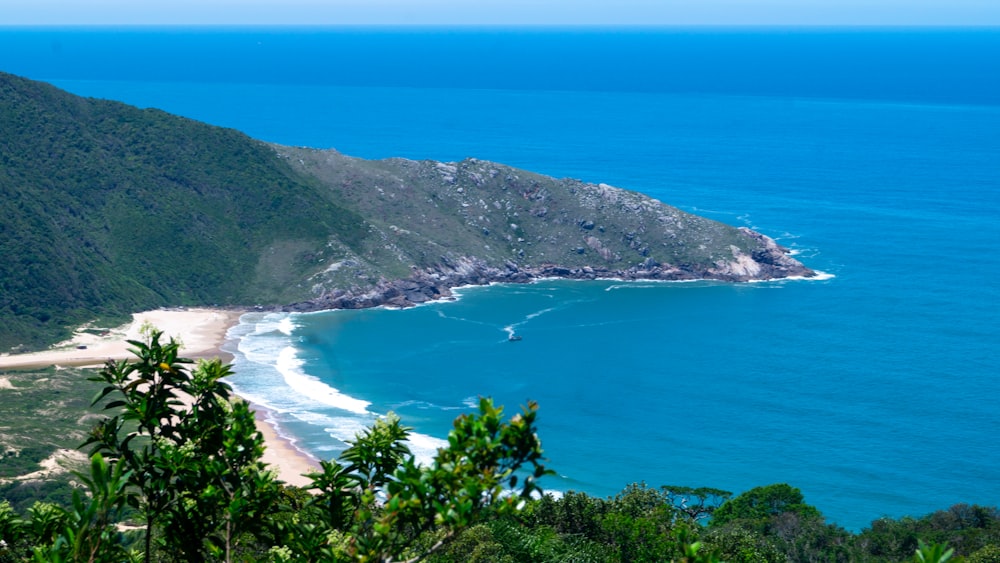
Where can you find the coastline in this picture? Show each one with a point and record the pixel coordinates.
(280, 453)
(202, 332)
(771, 263)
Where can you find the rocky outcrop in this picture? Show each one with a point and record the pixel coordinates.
(431, 226)
(771, 261)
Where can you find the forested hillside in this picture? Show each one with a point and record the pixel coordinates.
(109, 209)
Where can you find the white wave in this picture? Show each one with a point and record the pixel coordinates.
(290, 367)
(424, 447)
(240, 329)
(263, 323)
(459, 290)
(286, 326)
(326, 448)
(805, 253)
(412, 403)
(262, 351)
(257, 339)
(258, 399)
(348, 432)
(820, 276)
(425, 405)
(320, 419)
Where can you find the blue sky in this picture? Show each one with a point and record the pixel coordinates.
(505, 12)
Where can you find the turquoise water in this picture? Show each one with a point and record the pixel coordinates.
(873, 389)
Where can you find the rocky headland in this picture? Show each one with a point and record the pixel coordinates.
(477, 222)
(113, 209)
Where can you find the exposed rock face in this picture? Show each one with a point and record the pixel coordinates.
(770, 262)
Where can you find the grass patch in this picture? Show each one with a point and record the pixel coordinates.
(42, 411)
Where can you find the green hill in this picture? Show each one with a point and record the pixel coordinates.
(109, 209)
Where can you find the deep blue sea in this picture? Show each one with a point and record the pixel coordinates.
(874, 154)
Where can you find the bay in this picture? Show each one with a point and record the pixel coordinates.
(873, 389)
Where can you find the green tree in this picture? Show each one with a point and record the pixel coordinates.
(756, 507)
(89, 532)
(574, 513)
(192, 454)
(476, 544)
(640, 523)
(810, 538)
(932, 553)
(489, 467)
(12, 533)
(986, 554)
(179, 450)
(381, 505)
(45, 522)
(737, 545)
(696, 503)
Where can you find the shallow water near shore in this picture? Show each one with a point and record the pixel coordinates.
(873, 389)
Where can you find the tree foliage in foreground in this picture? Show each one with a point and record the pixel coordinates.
(179, 459)
(185, 457)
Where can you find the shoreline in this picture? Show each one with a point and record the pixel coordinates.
(280, 453)
(202, 332)
(438, 282)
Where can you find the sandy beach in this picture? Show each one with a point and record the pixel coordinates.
(201, 333)
(281, 455)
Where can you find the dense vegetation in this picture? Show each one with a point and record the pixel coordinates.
(110, 209)
(98, 199)
(177, 459)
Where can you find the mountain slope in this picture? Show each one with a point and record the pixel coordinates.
(107, 209)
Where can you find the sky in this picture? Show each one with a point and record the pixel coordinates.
(501, 12)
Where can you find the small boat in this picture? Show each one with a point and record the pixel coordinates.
(513, 338)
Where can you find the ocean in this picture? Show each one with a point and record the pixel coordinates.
(873, 154)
